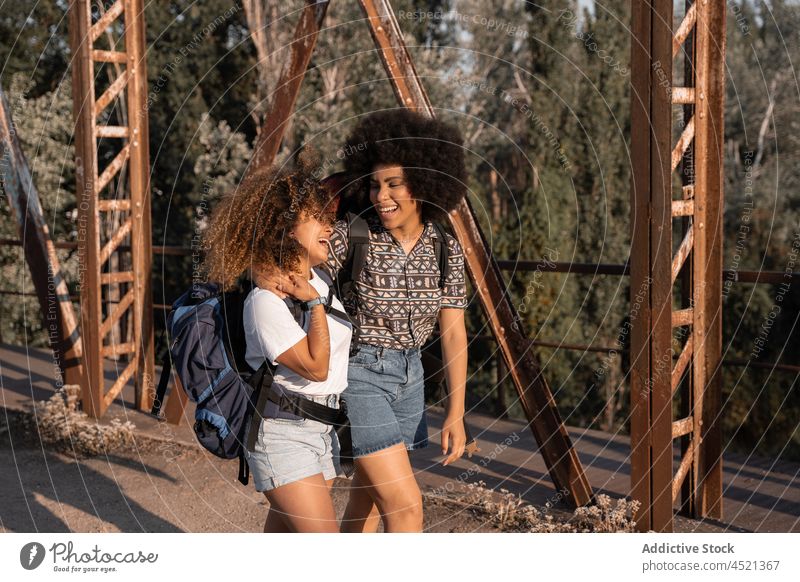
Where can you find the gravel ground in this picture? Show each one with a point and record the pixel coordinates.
(149, 487)
(161, 485)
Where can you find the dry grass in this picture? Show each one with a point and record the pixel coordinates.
(61, 425)
(509, 512)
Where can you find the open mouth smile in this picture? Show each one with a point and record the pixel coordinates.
(388, 210)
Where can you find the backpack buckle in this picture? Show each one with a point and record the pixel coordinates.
(288, 404)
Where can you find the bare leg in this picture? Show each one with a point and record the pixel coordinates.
(361, 514)
(390, 481)
(302, 506)
(275, 523)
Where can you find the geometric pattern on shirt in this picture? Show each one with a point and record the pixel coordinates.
(397, 296)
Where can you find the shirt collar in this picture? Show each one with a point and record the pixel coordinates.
(373, 220)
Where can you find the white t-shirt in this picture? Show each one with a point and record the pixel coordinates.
(270, 329)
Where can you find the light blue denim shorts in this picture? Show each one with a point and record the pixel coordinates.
(385, 398)
(290, 448)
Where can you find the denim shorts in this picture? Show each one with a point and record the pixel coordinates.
(385, 399)
(290, 448)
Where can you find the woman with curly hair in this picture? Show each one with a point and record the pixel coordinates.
(408, 172)
(278, 222)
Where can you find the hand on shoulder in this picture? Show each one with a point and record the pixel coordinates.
(285, 284)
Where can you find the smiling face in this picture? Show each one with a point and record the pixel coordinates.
(313, 234)
(392, 199)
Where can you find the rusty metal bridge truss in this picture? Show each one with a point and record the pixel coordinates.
(674, 185)
(114, 199)
(693, 330)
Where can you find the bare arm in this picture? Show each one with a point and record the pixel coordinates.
(454, 356)
(310, 357)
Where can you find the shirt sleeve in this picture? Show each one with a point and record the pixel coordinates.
(454, 293)
(270, 328)
(337, 251)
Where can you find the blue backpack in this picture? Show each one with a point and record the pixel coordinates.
(205, 327)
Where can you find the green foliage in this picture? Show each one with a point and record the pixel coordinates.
(541, 93)
(43, 125)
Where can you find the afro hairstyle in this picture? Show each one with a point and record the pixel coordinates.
(249, 225)
(429, 150)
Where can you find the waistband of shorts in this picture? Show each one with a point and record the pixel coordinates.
(385, 351)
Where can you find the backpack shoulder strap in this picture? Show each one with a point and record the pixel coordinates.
(329, 308)
(358, 245)
(356, 258)
(349, 270)
(442, 253)
(294, 308)
(163, 381)
(257, 381)
(323, 274)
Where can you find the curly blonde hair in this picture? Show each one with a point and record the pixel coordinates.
(250, 225)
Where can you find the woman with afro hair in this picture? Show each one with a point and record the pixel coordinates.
(406, 172)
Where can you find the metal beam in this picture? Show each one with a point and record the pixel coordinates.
(293, 72)
(651, 262)
(640, 261)
(88, 222)
(139, 183)
(58, 315)
(697, 265)
(660, 266)
(130, 167)
(709, 150)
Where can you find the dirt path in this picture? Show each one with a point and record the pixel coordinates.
(147, 488)
(157, 487)
(169, 485)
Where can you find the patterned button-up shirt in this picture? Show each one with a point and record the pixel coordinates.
(397, 296)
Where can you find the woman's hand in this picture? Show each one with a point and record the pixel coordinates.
(286, 285)
(268, 280)
(297, 286)
(454, 438)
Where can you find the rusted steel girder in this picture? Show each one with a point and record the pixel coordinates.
(95, 245)
(58, 315)
(293, 72)
(697, 264)
(709, 164)
(537, 400)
